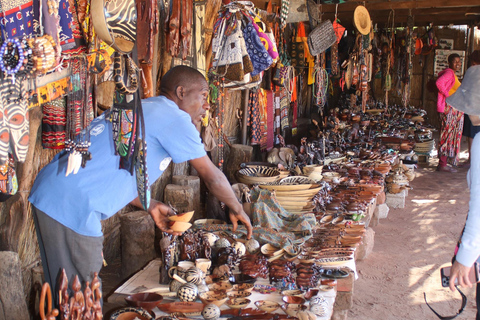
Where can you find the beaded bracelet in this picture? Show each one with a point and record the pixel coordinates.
(11, 56)
(45, 53)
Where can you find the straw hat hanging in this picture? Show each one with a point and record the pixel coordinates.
(361, 19)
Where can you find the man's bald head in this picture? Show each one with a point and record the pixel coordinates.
(179, 76)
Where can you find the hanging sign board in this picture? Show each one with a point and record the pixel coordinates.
(441, 61)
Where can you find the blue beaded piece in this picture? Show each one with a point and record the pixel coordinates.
(21, 56)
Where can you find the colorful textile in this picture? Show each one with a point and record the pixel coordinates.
(67, 40)
(277, 126)
(451, 134)
(270, 119)
(254, 117)
(16, 18)
(53, 124)
(259, 56)
(8, 178)
(273, 224)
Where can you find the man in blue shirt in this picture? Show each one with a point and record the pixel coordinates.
(68, 209)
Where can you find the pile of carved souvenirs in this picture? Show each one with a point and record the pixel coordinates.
(309, 206)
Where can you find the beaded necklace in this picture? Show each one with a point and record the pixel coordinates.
(77, 133)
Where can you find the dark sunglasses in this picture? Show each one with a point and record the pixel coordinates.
(464, 303)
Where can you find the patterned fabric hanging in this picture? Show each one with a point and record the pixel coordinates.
(16, 18)
(284, 10)
(270, 119)
(284, 106)
(277, 126)
(53, 124)
(8, 179)
(123, 119)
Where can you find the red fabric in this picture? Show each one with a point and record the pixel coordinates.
(445, 81)
(294, 89)
(339, 30)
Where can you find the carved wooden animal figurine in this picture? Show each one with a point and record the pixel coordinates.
(63, 297)
(77, 301)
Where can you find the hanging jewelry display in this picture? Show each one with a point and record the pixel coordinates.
(11, 57)
(45, 53)
(77, 136)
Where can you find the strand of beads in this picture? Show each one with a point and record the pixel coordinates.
(221, 113)
(11, 57)
(28, 67)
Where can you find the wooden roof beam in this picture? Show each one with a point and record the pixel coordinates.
(388, 5)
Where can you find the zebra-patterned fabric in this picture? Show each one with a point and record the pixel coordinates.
(121, 17)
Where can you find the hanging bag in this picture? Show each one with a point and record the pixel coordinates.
(141, 174)
(321, 38)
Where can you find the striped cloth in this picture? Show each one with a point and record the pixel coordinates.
(53, 124)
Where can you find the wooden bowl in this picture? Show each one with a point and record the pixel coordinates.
(269, 250)
(179, 226)
(146, 300)
(131, 313)
(292, 293)
(293, 309)
(238, 303)
(267, 306)
(218, 298)
(223, 286)
(293, 300)
(311, 292)
(234, 294)
(243, 287)
(182, 217)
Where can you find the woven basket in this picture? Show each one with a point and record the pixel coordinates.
(321, 38)
(258, 175)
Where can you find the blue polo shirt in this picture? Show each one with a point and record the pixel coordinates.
(80, 201)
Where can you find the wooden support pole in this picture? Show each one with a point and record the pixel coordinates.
(424, 81)
(138, 237)
(239, 154)
(194, 183)
(180, 197)
(12, 299)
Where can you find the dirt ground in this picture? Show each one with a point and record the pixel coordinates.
(411, 245)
